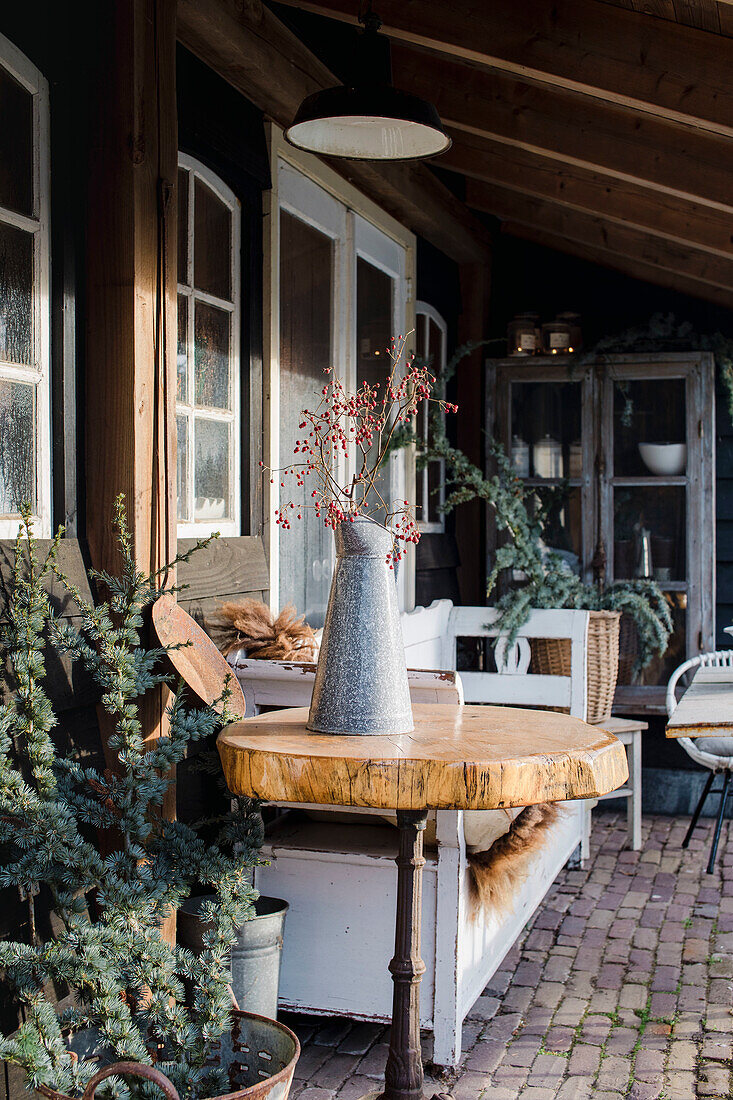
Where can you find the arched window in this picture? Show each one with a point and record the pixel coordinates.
(25, 459)
(431, 334)
(208, 413)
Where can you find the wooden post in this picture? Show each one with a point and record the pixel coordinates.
(131, 341)
(131, 294)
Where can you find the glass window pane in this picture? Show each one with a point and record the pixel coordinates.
(649, 411)
(421, 336)
(546, 429)
(562, 528)
(211, 473)
(421, 477)
(212, 247)
(211, 356)
(17, 454)
(306, 295)
(435, 480)
(374, 312)
(182, 466)
(435, 338)
(16, 146)
(659, 669)
(182, 351)
(650, 533)
(16, 295)
(183, 226)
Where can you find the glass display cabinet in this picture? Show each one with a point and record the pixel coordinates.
(622, 451)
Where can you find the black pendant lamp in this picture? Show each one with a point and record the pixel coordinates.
(368, 119)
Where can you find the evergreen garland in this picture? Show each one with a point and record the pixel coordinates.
(663, 332)
(127, 983)
(549, 582)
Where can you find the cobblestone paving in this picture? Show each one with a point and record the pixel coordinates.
(620, 987)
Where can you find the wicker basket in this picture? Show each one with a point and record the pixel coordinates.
(551, 657)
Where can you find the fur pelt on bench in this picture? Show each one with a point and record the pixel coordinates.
(249, 624)
(497, 873)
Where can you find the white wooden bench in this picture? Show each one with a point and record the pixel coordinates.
(336, 870)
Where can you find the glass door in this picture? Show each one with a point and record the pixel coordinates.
(312, 242)
(342, 297)
(545, 420)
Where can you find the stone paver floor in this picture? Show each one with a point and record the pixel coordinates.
(620, 987)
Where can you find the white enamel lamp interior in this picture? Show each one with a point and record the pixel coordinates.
(368, 119)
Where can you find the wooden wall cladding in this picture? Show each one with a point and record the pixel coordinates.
(67, 683)
(227, 569)
(723, 519)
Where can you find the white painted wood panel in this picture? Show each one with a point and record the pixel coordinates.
(339, 931)
(484, 943)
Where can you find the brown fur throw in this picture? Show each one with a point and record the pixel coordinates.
(250, 625)
(497, 873)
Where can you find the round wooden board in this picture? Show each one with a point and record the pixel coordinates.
(198, 662)
(458, 757)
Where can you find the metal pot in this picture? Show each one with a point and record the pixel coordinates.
(256, 952)
(259, 1054)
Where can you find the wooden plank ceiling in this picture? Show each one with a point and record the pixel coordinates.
(603, 128)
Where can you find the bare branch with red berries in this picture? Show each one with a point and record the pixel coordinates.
(354, 432)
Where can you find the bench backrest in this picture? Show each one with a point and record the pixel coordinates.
(434, 632)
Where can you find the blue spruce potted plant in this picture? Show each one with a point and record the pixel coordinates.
(115, 869)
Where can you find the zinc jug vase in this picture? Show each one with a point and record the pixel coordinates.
(361, 680)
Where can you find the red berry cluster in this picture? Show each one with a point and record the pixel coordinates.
(358, 427)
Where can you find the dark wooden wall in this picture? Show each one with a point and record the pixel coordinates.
(723, 519)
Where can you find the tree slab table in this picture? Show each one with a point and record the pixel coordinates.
(457, 758)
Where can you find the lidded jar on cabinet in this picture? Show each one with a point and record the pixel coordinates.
(523, 334)
(556, 337)
(576, 333)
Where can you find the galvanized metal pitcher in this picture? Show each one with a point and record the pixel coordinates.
(361, 681)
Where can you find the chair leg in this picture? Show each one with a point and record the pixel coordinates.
(719, 822)
(698, 809)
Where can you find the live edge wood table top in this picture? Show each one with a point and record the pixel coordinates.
(706, 708)
(458, 758)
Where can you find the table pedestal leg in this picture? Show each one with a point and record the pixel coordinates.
(403, 1077)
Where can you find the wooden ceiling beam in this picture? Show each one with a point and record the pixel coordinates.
(252, 49)
(586, 133)
(632, 266)
(600, 232)
(686, 223)
(655, 66)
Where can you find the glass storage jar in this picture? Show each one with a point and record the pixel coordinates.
(556, 338)
(523, 334)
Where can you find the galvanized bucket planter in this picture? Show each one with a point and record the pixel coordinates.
(256, 952)
(361, 680)
(259, 1056)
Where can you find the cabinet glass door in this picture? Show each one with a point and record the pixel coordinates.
(546, 451)
(648, 495)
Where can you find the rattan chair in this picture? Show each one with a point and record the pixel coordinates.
(715, 753)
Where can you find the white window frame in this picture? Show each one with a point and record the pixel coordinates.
(306, 187)
(39, 374)
(424, 313)
(194, 528)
